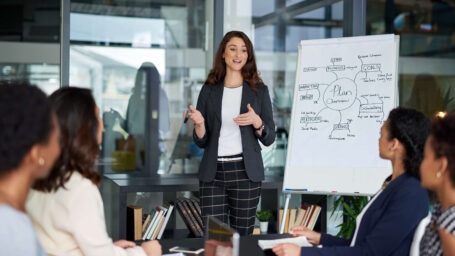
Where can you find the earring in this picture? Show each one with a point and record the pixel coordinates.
(41, 161)
(438, 175)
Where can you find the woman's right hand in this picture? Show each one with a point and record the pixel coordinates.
(125, 244)
(152, 248)
(195, 116)
(312, 236)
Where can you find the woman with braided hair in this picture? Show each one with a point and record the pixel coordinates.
(386, 224)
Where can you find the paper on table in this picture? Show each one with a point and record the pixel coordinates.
(268, 244)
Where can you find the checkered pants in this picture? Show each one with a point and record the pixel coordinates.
(231, 196)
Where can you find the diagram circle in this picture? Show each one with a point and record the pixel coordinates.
(340, 94)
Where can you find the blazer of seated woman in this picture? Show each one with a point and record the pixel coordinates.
(209, 104)
(387, 227)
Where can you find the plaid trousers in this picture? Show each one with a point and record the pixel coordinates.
(231, 196)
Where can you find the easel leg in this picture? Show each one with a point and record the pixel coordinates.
(286, 206)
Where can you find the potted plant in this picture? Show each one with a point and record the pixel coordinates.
(264, 217)
(352, 206)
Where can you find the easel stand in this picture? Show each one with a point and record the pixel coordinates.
(286, 206)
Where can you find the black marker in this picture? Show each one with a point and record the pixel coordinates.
(187, 115)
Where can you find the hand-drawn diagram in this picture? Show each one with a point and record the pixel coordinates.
(350, 94)
(344, 90)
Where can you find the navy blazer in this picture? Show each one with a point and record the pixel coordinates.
(209, 104)
(387, 227)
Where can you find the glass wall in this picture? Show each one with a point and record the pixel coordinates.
(276, 28)
(145, 62)
(427, 49)
(29, 42)
(155, 55)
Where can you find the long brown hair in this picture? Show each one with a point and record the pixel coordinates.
(75, 110)
(249, 71)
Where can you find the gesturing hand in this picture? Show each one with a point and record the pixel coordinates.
(248, 118)
(312, 236)
(195, 116)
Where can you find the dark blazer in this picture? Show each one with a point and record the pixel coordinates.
(387, 227)
(209, 104)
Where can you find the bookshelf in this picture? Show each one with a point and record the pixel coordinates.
(115, 189)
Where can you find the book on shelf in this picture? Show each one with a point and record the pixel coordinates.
(188, 218)
(299, 218)
(196, 212)
(147, 221)
(155, 213)
(292, 215)
(166, 220)
(314, 217)
(196, 204)
(159, 225)
(134, 222)
(159, 218)
(193, 217)
(154, 227)
(307, 216)
(306, 208)
(286, 221)
(154, 223)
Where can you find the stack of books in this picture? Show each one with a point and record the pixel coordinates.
(190, 211)
(155, 222)
(305, 216)
(151, 226)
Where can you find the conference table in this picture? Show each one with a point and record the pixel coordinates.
(248, 244)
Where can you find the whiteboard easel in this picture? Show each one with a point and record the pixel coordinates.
(344, 90)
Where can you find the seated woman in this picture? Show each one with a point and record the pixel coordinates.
(67, 210)
(29, 146)
(438, 175)
(386, 224)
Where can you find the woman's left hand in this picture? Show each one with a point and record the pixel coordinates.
(249, 118)
(286, 250)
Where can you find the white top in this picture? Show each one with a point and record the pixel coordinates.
(230, 141)
(17, 236)
(71, 221)
(418, 234)
(358, 220)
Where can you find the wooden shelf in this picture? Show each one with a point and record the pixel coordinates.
(115, 187)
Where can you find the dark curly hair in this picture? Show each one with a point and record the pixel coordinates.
(249, 71)
(442, 140)
(75, 109)
(411, 128)
(25, 120)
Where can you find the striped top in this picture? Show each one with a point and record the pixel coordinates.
(431, 243)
